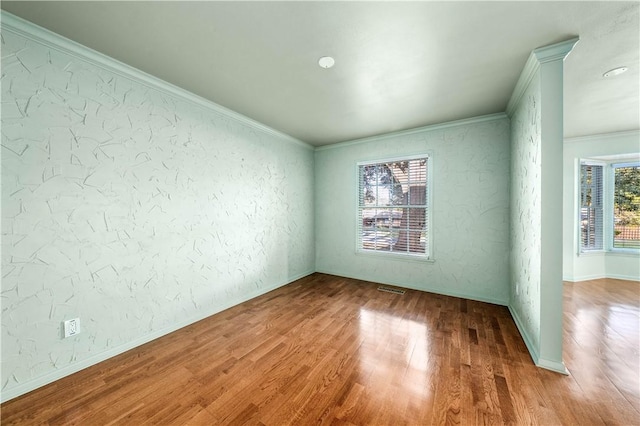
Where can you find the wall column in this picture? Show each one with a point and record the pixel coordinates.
(536, 115)
(551, 85)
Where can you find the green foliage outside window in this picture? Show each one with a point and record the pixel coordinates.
(626, 208)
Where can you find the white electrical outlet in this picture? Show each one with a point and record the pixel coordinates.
(71, 327)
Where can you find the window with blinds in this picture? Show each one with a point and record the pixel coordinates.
(591, 207)
(393, 206)
(626, 206)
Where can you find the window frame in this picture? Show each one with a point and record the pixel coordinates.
(604, 203)
(610, 206)
(608, 190)
(421, 257)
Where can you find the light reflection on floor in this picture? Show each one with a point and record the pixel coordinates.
(602, 337)
(405, 340)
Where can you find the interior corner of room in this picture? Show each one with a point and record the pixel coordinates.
(140, 207)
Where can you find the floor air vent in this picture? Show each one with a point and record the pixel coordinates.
(391, 290)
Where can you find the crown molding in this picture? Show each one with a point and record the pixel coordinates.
(555, 52)
(429, 128)
(601, 136)
(37, 34)
(541, 55)
(528, 72)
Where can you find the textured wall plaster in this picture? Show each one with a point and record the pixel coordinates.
(526, 211)
(132, 209)
(470, 210)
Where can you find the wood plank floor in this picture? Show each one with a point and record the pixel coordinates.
(331, 350)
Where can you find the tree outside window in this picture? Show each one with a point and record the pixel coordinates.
(626, 206)
(393, 207)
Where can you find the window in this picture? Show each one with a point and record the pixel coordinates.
(609, 216)
(393, 206)
(626, 206)
(591, 207)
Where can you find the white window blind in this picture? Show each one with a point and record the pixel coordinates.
(591, 207)
(393, 209)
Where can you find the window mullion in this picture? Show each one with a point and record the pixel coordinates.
(609, 185)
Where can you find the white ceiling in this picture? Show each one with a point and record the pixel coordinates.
(399, 65)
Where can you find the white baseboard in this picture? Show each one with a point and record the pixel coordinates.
(623, 277)
(413, 287)
(40, 381)
(533, 352)
(601, 276)
(558, 367)
(579, 278)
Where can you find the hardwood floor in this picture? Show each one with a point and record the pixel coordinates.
(331, 350)
(602, 346)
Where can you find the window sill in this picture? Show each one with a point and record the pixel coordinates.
(624, 252)
(614, 252)
(395, 256)
(592, 253)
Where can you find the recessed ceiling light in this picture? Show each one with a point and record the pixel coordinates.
(615, 71)
(326, 62)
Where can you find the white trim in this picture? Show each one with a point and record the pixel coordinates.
(623, 252)
(556, 366)
(625, 163)
(391, 255)
(581, 278)
(556, 51)
(426, 257)
(530, 67)
(37, 34)
(40, 381)
(592, 162)
(590, 253)
(624, 277)
(608, 199)
(429, 128)
(608, 190)
(599, 137)
(538, 56)
(426, 289)
(603, 208)
(533, 352)
(393, 159)
(430, 210)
